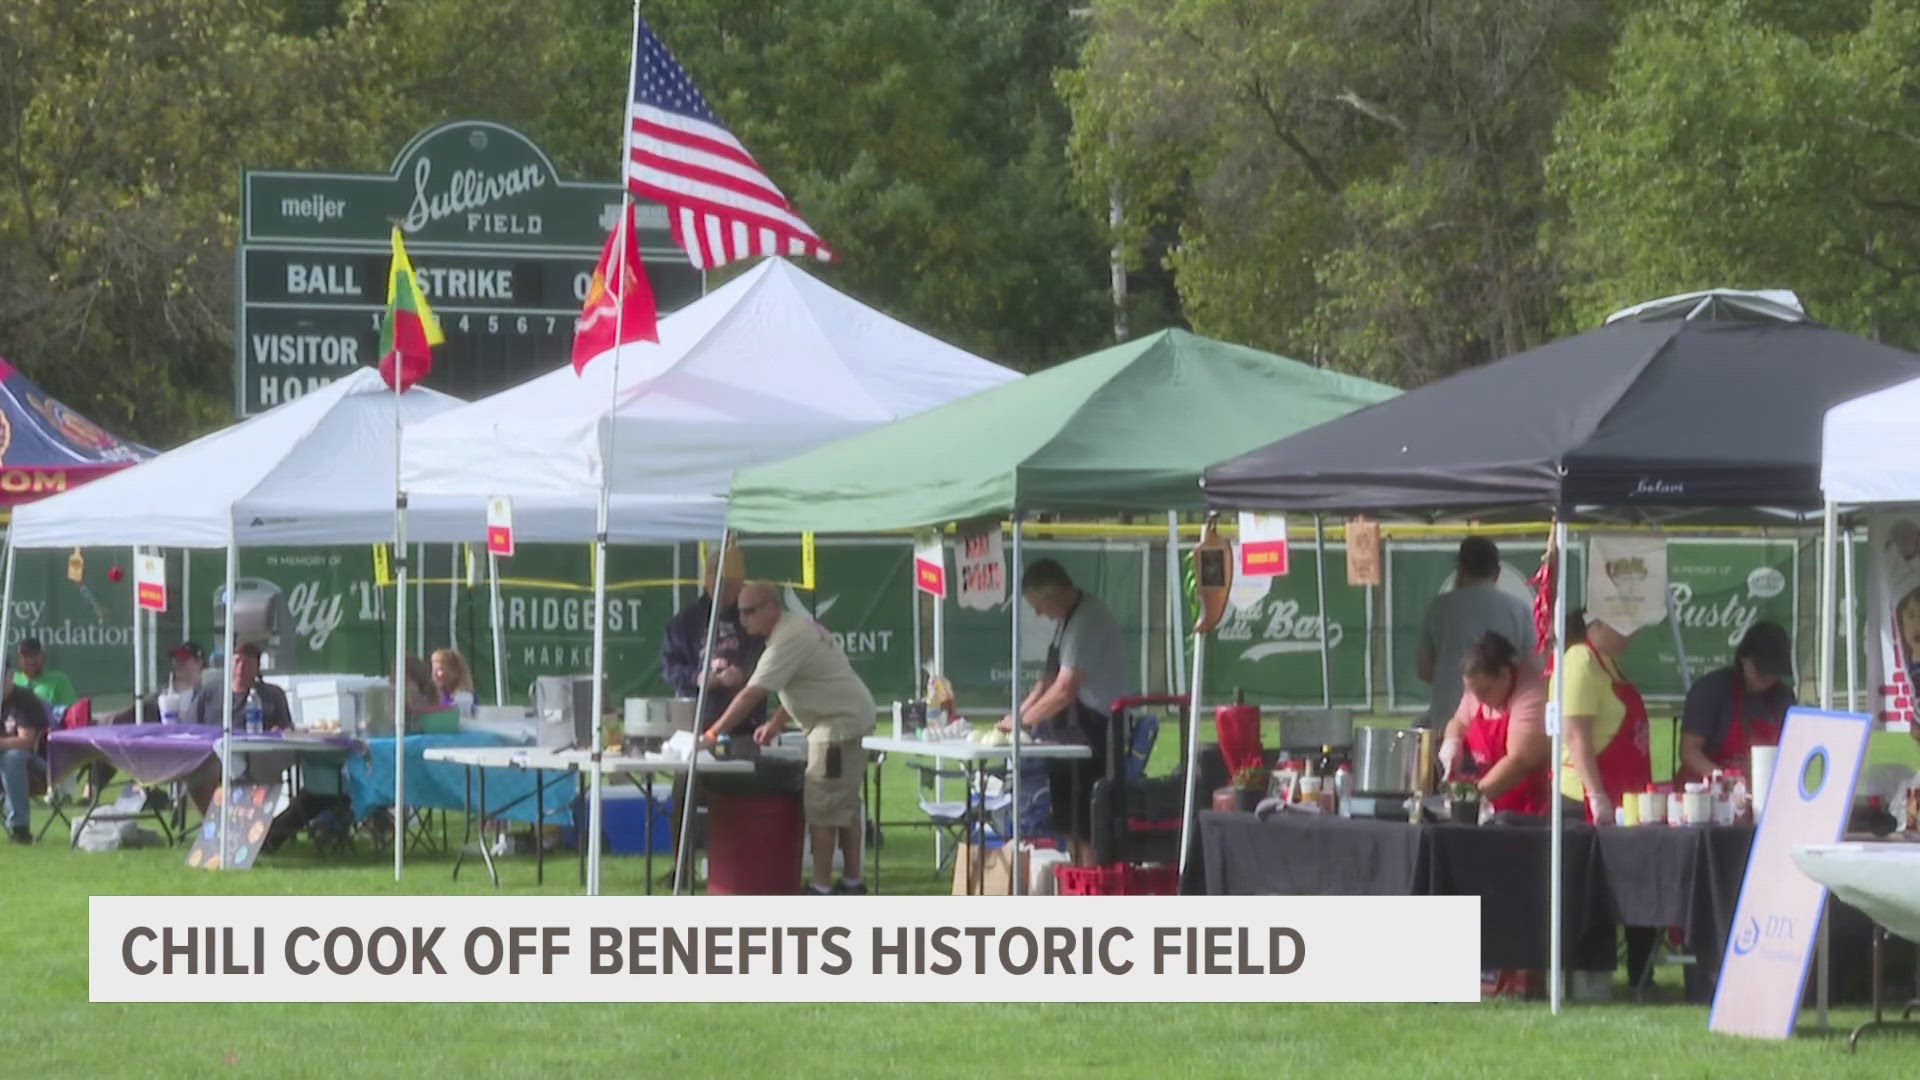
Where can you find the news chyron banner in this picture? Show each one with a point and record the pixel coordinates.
(742, 948)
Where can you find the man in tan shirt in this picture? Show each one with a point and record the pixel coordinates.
(820, 691)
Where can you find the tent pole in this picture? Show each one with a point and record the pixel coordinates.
(1017, 886)
(399, 684)
(420, 602)
(226, 698)
(1557, 841)
(454, 551)
(1176, 666)
(499, 633)
(6, 604)
(139, 638)
(1828, 545)
(186, 594)
(1197, 683)
(595, 784)
(1320, 586)
(683, 856)
(1849, 632)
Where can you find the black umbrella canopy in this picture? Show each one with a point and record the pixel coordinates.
(1665, 415)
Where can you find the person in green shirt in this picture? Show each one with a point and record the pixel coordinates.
(30, 671)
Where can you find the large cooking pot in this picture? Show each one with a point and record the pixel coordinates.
(1387, 760)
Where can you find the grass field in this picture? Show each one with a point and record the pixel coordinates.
(50, 1030)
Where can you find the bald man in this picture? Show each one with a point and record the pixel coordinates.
(818, 688)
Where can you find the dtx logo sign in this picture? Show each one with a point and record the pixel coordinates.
(1769, 934)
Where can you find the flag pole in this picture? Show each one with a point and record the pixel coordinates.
(400, 611)
(604, 509)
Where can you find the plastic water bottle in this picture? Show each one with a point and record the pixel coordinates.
(255, 713)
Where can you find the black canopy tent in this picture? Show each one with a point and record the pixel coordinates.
(1708, 405)
(1668, 418)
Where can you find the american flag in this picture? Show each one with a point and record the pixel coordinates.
(721, 204)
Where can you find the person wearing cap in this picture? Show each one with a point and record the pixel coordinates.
(1733, 709)
(189, 673)
(275, 715)
(31, 671)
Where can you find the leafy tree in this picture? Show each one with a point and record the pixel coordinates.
(1354, 181)
(1765, 145)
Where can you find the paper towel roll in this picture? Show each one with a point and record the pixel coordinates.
(1764, 758)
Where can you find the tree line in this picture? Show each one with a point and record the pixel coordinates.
(1398, 188)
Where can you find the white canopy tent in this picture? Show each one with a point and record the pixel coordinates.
(316, 470)
(769, 365)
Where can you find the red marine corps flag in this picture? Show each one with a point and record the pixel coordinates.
(619, 301)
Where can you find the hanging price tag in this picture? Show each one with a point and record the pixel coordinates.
(500, 526)
(150, 582)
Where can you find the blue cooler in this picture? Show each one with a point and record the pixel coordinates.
(628, 830)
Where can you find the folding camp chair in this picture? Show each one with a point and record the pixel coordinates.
(959, 817)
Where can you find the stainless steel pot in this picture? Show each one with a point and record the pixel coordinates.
(1386, 760)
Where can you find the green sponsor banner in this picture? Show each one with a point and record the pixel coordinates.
(1717, 589)
(87, 629)
(1271, 648)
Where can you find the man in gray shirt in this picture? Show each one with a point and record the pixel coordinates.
(1087, 670)
(1462, 616)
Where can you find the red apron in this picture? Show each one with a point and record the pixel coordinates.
(1626, 762)
(1487, 742)
(1743, 734)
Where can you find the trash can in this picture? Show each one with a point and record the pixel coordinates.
(754, 843)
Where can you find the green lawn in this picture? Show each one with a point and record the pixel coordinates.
(51, 1031)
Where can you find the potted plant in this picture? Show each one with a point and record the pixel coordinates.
(1249, 787)
(1463, 802)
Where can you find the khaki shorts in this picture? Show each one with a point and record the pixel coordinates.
(836, 773)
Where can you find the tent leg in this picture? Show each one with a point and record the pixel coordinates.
(1849, 632)
(498, 632)
(226, 702)
(399, 685)
(1557, 841)
(1176, 663)
(683, 855)
(1017, 571)
(1320, 586)
(6, 601)
(595, 783)
(1828, 549)
(139, 638)
(1187, 819)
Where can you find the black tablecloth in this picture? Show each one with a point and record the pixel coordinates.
(1653, 876)
(1506, 866)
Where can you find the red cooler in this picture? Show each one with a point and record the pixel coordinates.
(754, 844)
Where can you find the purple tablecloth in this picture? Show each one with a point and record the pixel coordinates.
(148, 753)
(154, 753)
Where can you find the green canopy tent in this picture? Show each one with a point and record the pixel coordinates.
(1129, 428)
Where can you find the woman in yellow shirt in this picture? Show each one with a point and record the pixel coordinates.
(1606, 752)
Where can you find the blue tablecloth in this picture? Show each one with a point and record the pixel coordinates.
(443, 786)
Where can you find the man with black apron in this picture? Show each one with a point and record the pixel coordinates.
(1087, 671)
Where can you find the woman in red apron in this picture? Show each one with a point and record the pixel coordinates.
(1501, 725)
(1738, 707)
(1606, 771)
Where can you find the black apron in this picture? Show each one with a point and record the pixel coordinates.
(1070, 783)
